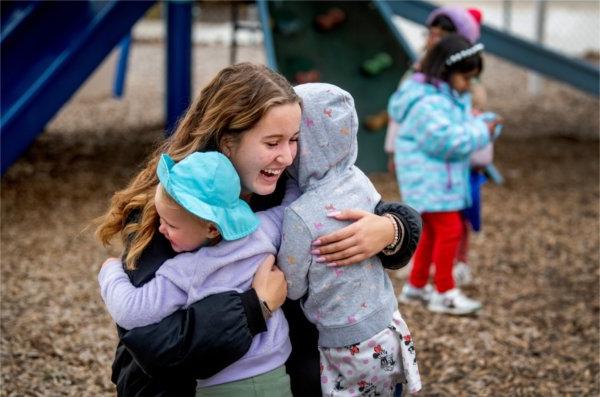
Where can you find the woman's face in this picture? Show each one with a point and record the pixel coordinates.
(263, 152)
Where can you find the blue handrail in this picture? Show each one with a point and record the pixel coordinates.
(575, 72)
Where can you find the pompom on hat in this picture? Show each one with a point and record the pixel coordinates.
(466, 22)
(476, 13)
(207, 185)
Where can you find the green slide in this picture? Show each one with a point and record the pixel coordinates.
(349, 44)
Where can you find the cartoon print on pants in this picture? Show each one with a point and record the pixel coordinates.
(338, 383)
(386, 359)
(367, 388)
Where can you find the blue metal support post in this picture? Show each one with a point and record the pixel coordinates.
(121, 71)
(179, 60)
(265, 19)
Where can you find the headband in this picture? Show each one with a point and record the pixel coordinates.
(459, 56)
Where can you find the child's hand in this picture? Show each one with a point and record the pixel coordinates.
(269, 284)
(492, 124)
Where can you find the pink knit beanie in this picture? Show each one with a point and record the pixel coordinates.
(466, 22)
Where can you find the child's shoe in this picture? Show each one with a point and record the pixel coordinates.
(410, 294)
(462, 274)
(452, 302)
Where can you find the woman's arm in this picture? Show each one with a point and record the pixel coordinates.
(182, 342)
(370, 234)
(198, 342)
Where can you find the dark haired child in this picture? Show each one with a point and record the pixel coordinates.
(437, 135)
(441, 22)
(465, 22)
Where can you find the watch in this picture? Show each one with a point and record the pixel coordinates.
(266, 312)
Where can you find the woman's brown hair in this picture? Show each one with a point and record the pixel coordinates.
(233, 102)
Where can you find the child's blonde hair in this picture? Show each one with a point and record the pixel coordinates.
(233, 102)
(162, 194)
(166, 197)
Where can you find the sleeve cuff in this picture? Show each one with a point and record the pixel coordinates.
(254, 316)
(411, 222)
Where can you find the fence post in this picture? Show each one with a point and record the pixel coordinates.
(534, 81)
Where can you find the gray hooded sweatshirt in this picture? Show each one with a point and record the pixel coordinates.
(347, 304)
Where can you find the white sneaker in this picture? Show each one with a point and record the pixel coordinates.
(410, 294)
(462, 274)
(452, 302)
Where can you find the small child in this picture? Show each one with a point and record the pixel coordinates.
(198, 201)
(438, 133)
(441, 22)
(465, 22)
(364, 344)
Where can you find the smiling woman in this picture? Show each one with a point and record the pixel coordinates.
(263, 152)
(252, 115)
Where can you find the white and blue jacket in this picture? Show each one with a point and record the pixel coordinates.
(432, 147)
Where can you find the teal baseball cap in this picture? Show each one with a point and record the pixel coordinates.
(207, 185)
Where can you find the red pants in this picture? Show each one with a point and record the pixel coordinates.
(463, 247)
(439, 242)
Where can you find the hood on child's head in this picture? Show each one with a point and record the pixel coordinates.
(466, 21)
(328, 143)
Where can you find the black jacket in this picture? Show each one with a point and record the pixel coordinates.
(164, 359)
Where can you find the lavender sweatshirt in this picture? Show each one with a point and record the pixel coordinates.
(191, 276)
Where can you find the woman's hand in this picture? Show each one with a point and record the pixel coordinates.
(364, 238)
(269, 284)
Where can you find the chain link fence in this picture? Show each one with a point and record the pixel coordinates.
(569, 27)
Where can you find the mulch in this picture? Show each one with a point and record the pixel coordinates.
(536, 264)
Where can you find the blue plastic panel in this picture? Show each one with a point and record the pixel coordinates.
(49, 51)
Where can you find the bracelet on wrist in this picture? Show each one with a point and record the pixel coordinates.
(395, 240)
(398, 235)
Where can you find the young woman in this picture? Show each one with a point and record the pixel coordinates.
(252, 115)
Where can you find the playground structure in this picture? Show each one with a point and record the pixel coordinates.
(538, 333)
(50, 48)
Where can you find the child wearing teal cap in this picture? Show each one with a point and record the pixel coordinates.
(198, 202)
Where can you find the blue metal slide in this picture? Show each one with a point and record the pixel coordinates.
(580, 74)
(48, 49)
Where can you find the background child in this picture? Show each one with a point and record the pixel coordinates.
(441, 22)
(467, 23)
(198, 202)
(437, 134)
(365, 346)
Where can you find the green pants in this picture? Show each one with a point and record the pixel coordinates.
(274, 383)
